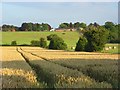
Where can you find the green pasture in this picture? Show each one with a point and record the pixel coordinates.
(70, 38)
(117, 50)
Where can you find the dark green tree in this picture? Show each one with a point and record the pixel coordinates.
(13, 43)
(9, 28)
(51, 36)
(35, 27)
(27, 26)
(57, 43)
(110, 26)
(97, 38)
(77, 25)
(113, 31)
(35, 43)
(71, 25)
(81, 44)
(96, 24)
(82, 25)
(64, 25)
(43, 43)
(46, 27)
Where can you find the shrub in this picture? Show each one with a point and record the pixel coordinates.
(35, 43)
(51, 36)
(13, 43)
(43, 43)
(57, 43)
(80, 45)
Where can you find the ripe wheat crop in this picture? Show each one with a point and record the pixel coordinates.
(23, 67)
(16, 73)
(60, 54)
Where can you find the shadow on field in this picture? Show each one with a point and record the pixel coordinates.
(16, 65)
(99, 70)
(15, 81)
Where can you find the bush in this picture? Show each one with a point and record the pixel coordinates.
(51, 36)
(80, 45)
(43, 43)
(13, 43)
(57, 43)
(35, 43)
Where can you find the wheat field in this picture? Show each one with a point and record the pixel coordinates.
(60, 54)
(35, 67)
(15, 70)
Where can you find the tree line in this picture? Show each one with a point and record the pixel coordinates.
(91, 39)
(27, 27)
(112, 28)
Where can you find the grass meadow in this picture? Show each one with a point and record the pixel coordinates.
(70, 39)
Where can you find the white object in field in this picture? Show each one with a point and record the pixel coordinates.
(72, 47)
(52, 30)
(110, 47)
(106, 48)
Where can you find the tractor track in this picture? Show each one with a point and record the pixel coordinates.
(69, 67)
(32, 66)
(43, 58)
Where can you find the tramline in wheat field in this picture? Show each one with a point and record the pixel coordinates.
(34, 67)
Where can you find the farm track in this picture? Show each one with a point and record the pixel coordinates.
(19, 50)
(43, 58)
(36, 68)
(58, 54)
(63, 65)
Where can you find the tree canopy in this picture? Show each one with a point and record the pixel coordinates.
(27, 27)
(56, 42)
(97, 38)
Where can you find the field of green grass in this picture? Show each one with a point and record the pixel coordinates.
(113, 51)
(70, 38)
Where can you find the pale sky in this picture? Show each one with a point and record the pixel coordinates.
(60, 0)
(55, 13)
